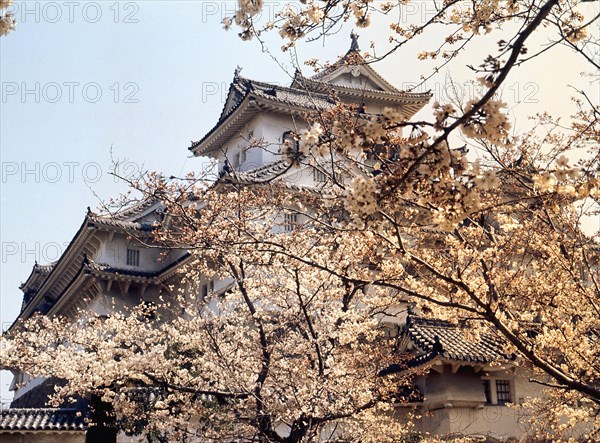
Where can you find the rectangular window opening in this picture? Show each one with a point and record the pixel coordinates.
(207, 288)
(319, 176)
(133, 257)
(290, 222)
(503, 391)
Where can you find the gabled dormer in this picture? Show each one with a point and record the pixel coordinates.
(238, 89)
(354, 80)
(352, 70)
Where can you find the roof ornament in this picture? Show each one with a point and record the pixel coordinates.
(354, 38)
(238, 71)
(437, 345)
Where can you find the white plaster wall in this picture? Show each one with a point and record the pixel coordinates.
(497, 421)
(466, 386)
(254, 156)
(114, 253)
(265, 127)
(374, 107)
(268, 128)
(117, 300)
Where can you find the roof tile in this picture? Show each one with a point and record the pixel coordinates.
(449, 341)
(41, 419)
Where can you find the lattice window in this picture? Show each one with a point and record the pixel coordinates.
(319, 176)
(290, 221)
(503, 391)
(133, 257)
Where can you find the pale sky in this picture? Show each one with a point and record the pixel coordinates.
(144, 78)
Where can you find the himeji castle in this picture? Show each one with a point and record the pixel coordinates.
(461, 386)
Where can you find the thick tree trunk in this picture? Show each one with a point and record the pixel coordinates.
(102, 429)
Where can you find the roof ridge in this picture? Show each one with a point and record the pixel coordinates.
(416, 319)
(105, 267)
(119, 223)
(398, 92)
(136, 208)
(285, 88)
(266, 167)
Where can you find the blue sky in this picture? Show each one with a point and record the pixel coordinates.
(140, 79)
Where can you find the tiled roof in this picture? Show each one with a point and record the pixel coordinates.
(397, 94)
(278, 96)
(449, 341)
(101, 267)
(43, 269)
(15, 420)
(353, 57)
(438, 339)
(263, 175)
(119, 224)
(136, 209)
(38, 275)
(91, 265)
(286, 95)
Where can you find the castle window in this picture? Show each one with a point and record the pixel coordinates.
(207, 289)
(290, 221)
(133, 257)
(497, 392)
(319, 176)
(243, 156)
(503, 391)
(288, 142)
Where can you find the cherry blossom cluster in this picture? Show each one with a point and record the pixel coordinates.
(7, 21)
